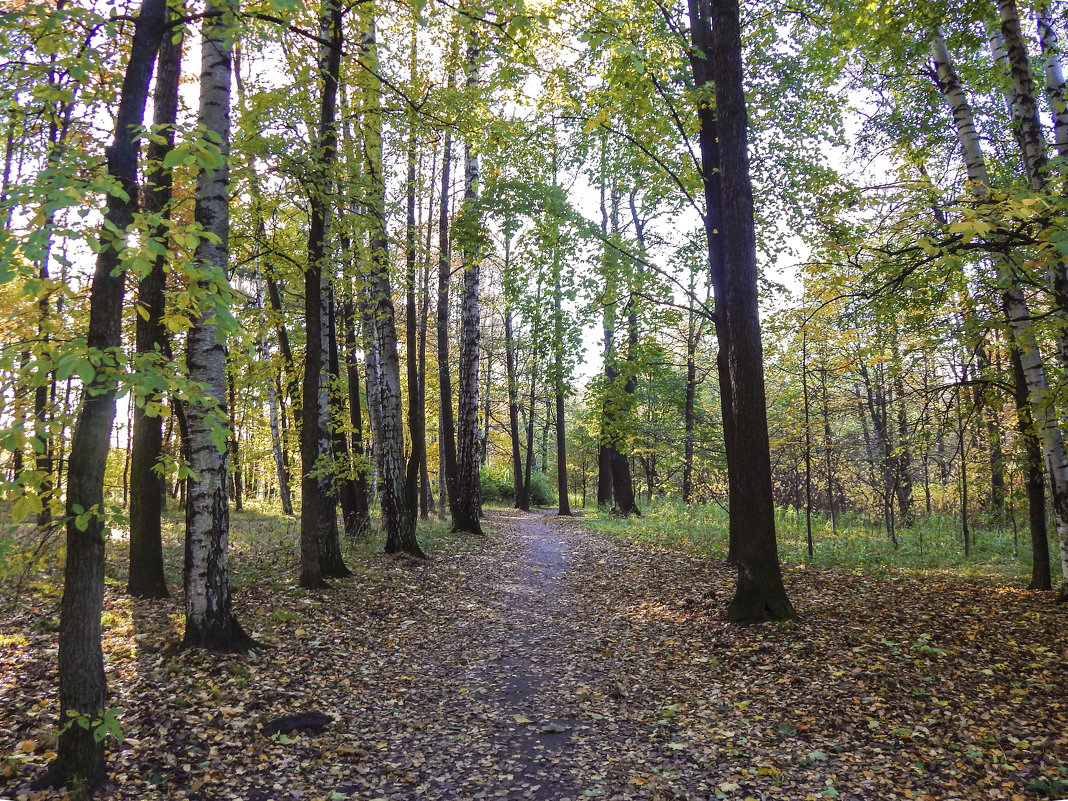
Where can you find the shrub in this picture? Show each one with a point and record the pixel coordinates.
(497, 486)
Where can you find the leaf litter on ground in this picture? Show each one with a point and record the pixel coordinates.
(546, 662)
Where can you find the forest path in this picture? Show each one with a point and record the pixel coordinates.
(523, 664)
(525, 688)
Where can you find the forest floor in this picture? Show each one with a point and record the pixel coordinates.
(546, 662)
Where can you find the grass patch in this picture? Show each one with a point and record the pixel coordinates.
(931, 545)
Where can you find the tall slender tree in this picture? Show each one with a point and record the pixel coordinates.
(82, 687)
(318, 515)
(759, 593)
(467, 505)
(210, 621)
(146, 579)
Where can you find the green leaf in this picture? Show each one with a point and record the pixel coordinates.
(85, 371)
(814, 756)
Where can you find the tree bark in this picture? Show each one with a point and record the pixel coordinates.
(358, 526)
(1034, 479)
(1055, 87)
(318, 513)
(759, 593)
(1017, 312)
(563, 499)
(82, 687)
(146, 578)
(467, 505)
(397, 515)
(416, 397)
(209, 619)
(518, 486)
(447, 423)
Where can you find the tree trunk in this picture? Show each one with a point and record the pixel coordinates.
(358, 526)
(318, 512)
(1055, 87)
(1017, 312)
(397, 515)
(209, 619)
(277, 436)
(467, 505)
(701, 28)
(146, 579)
(1034, 479)
(82, 687)
(609, 433)
(416, 397)
(692, 336)
(237, 481)
(447, 425)
(333, 444)
(563, 501)
(759, 594)
(518, 486)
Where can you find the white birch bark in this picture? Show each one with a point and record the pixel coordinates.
(210, 622)
(1008, 51)
(396, 514)
(1055, 87)
(1016, 309)
(1022, 100)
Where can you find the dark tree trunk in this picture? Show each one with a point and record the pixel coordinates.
(447, 424)
(359, 524)
(331, 443)
(832, 503)
(532, 396)
(808, 444)
(563, 501)
(82, 688)
(346, 485)
(416, 397)
(609, 423)
(1034, 477)
(318, 515)
(292, 384)
(518, 485)
(426, 497)
(237, 482)
(701, 65)
(759, 594)
(902, 463)
(692, 336)
(989, 408)
(146, 578)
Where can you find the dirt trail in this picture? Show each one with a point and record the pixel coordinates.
(524, 664)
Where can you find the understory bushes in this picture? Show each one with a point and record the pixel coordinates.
(497, 487)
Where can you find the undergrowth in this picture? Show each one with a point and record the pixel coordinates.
(930, 544)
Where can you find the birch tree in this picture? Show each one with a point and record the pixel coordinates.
(1017, 312)
(467, 505)
(210, 621)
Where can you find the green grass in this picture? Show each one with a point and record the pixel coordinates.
(931, 544)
